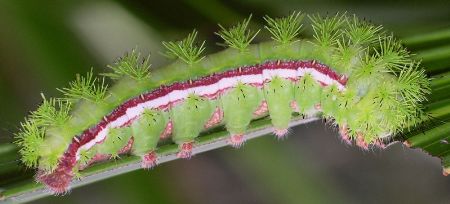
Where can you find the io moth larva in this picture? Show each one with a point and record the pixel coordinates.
(350, 72)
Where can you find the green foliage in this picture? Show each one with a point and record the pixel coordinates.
(88, 88)
(284, 30)
(238, 36)
(185, 49)
(130, 65)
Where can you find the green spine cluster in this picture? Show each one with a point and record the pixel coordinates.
(382, 96)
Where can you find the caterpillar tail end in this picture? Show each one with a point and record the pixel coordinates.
(149, 160)
(236, 140)
(185, 150)
(57, 181)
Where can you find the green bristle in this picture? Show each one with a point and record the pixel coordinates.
(29, 139)
(238, 36)
(393, 54)
(185, 49)
(327, 29)
(347, 56)
(388, 104)
(51, 112)
(360, 32)
(89, 88)
(130, 65)
(413, 84)
(369, 66)
(284, 30)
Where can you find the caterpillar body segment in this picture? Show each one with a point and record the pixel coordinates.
(116, 140)
(147, 130)
(240, 103)
(368, 90)
(189, 119)
(279, 94)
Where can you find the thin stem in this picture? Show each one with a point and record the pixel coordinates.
(427, 38)
(30, 190)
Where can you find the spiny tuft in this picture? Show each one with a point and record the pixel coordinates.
(51, 112)
(238, 36)
(284, 30)
(185, 49)
(392, 52)
(361, 32)
(30, 139)
(370, 65)
(131, 65)
(413, 83)
(86, 87)
(326, 29)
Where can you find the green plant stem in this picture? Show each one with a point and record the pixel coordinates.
(435, 60)
(428, 137)
(439, 109)
(29, 190)
(440, 80)
(427, 38)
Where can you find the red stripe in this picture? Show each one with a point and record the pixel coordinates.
(90, 133)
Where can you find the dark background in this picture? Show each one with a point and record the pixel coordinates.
(43, 44)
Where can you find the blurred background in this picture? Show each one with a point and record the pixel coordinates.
(43, 44)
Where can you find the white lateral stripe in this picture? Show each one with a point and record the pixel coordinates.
(205, 90)
(268, 74)
(251, 79)
(134, 111)
(228, 82)
(99, 137)
(318, 76)
(177, 95)
(157, 102)
(222, 84)
(122, 120)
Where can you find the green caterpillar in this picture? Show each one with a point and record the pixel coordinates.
(351, 72)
